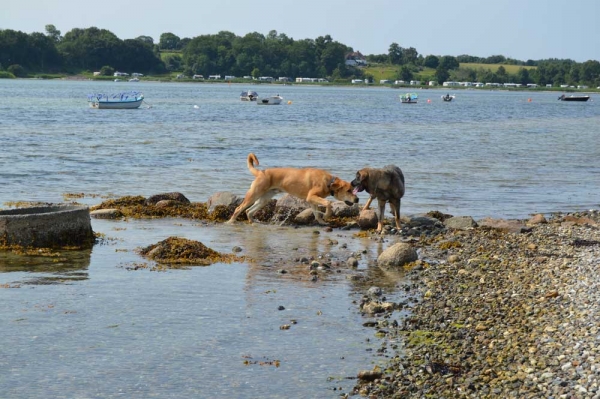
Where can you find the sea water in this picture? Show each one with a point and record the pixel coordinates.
(102, 324)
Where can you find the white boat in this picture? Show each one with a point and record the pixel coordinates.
(134, 80)
(127, 100)
(249, 95)
(273, 100)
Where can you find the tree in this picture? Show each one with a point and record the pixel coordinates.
(53, 33)
(409, 55)
(145, 39)
(448, 62)
(523, 76)
(441, 74)
(431, 61)
(17, 70)
(405, 73)
(395, 54)
(107, 70)
(168, 41)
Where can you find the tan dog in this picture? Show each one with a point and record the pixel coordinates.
(385, 184)
(312, 185)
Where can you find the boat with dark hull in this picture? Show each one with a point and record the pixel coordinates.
(573, 98)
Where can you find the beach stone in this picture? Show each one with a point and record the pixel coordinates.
(110, 213)
(511, 226)
(460, 222)
(174, 196)
(352, 262)
(224, 198)
(423, 220)
(537, 219)
(166, 203)
(305, 217)
(367, 219)
(340, 209)
(579, 221)
(397, 255)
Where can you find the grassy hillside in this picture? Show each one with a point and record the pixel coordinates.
(512, 69)
(391, 72)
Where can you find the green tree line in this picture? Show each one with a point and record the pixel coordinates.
(274, 54)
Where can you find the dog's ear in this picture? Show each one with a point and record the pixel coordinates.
(361, 175)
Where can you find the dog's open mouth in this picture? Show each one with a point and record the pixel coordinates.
(358, 189)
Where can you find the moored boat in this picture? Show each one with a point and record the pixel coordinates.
(573, 98)
(249, 95)
(272, 100)
(409, 98)
(126, 100)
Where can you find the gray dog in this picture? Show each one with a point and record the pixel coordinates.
(385, 184)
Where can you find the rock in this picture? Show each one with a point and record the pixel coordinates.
(340, 209)
(167, 203)
(175, 196)
(106, 214)
(510, 226)
(460, 222)
(352, 262)
(288, 207)
(423, 220)
(369, 375)
(374, 292)
(397, 255)
(537, 219)
(305, 217)
(224, 198)
(367, 219)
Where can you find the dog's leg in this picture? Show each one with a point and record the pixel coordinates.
(395, 205)
(259, 204)
(368, 204)
(381, 205)
(315, 201)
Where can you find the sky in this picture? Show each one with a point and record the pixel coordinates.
(520, 29)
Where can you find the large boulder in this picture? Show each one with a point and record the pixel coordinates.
(175, 196)
(288, 207)
(367, 219)
(397, 255)
(340, 209)
(224, 198)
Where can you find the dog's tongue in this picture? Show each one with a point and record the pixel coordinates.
(356, 190)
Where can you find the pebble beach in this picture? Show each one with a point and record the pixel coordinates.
(507, 309)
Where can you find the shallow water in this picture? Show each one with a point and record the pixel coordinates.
(487, 153)
(85, 324)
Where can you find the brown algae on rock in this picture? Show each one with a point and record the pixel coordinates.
(181, 251)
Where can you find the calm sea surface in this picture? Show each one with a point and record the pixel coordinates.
(83, 325)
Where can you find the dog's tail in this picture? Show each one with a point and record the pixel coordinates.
(251, 161)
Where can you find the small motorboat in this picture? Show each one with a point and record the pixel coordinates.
(573, 98)
(248, 96)
(448, 97)
(127, 100)
(409, 98)
(272, 100)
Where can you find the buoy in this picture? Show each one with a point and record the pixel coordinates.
(289, 103)
(529, 100)
(195, 106)
(428, 101)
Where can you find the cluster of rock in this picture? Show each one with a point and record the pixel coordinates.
(497, 309)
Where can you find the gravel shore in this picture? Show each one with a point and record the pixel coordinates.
(496, 312)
